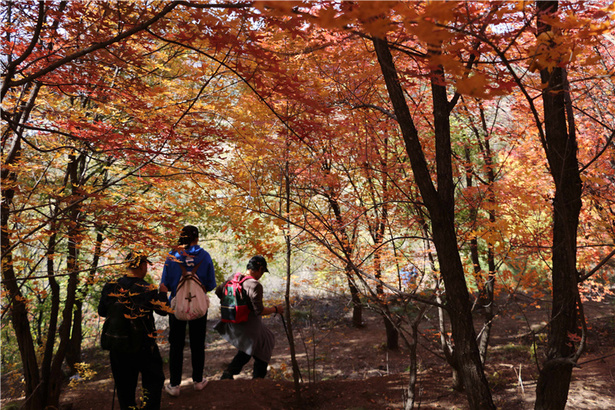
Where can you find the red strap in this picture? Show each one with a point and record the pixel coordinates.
(236, 282)
(242, 280)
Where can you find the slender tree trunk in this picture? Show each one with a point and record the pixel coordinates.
(561, 149)
(377, 230)
(486, 285)
(18, 308)
(411, 391)
(489, 289)
(345, 242)
(287, 312)
(392, 334)
(53, 384)
(19, 316)
(289, 326)
(355, 296)
(73, 350)
(53, 314)
(73, 353)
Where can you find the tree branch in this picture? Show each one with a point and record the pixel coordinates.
(586, 276)
(94, 47)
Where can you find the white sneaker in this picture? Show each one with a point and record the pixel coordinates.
(200, 385)
(172, 390)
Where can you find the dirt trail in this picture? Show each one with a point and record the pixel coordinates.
(349, 368)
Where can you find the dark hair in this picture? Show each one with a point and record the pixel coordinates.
(135, 259)
(188, 235)
(257, 262)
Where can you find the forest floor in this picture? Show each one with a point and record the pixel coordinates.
(350, 368)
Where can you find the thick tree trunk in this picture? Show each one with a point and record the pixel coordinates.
(561, 149)
(465, 353)
(440, 204)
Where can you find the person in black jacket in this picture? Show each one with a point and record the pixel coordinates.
(141, 300)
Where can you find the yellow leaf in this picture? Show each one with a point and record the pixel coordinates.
(475, 85)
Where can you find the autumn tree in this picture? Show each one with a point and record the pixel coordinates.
(362, 128)
(87, 149)
(559, 138)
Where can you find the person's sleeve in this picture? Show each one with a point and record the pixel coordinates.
(160, 303)
(151, 299)
(255, 293)
(104, 301)
(220, 290)
(169, 277)
(165, 273)
(208, 276)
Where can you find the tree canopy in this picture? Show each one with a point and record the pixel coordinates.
(469, 142)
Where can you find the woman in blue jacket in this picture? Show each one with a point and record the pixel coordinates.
(191, 256)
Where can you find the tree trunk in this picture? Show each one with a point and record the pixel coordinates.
(18, 307)
(53, 383)
(19, 321)
(440, 204)
(392, 333)
(357, 308)
(411, 391)
(486, 286)
(54, 311)
(73, 351)
(561, 149)
(289, 324)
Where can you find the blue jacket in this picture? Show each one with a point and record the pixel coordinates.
(172, 272)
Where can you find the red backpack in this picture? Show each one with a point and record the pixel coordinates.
(234, 304)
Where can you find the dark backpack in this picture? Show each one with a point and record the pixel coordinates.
(234, 306)
(123, 330)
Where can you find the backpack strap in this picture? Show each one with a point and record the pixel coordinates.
(236, 282)
(245, 278)
(189, 275)
(193, 271)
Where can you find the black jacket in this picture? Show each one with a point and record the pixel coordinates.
(145, 300)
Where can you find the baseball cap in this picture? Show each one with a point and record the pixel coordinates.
(256, 262)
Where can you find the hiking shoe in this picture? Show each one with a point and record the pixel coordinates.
(172, 390)
(200, 385)
(226, 375)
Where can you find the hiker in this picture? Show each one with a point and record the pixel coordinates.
(251, 337)
(408, 276)
(140, 298)
(189, 257)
